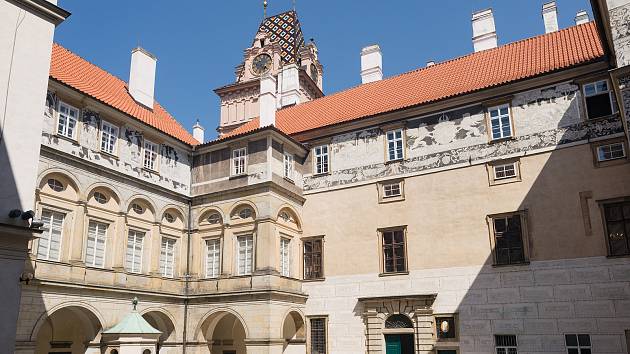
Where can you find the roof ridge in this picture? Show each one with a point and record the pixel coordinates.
(92, 64)
(437, 65)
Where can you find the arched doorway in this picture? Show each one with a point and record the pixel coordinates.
(294, 334)
(398, 333)
(71, 329)
(224, 333)
(162, 323)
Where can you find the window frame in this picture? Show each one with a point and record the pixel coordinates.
(525, 236)
(217, 251)
(492, 165)
(322, 274)
(595, 146)
(61, 232)
(395, 140)
(288, 171)
(436, 327)
(143, 238)
(309, 338)
(611, 97)
(242, 157)
(155, 165)
(316, 156)
(105, 123)
(381, 242)
(285, 251)
(97, 222)
(602, 206)
(75, 130)
(506, 348)
(579, 346)
(380, 186)
(489, 119)
(162, 267)
(250, 237)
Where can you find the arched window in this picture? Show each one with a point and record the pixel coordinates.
(398, 321)
(55, 185)
(245, 213)
(137, 208)
(100, 197)
(214, 218)
(169, 217)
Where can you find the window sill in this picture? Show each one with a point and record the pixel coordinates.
(597, 119)
(387, 162)
(150, 171)
(611, 162)
(289, 180)
(237, 176)
(313, 280)
(107, 154)
(501, 181)
(74, 141)
(322, 174)
(386, 200)
(393, 274)
(501, 140)
(521, 264)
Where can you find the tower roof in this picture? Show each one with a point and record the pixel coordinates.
(284, 28)
(133, 323)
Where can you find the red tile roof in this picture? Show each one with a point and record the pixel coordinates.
(494, 67)
(93, 81)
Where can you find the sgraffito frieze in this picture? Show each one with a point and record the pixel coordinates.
(51, 103)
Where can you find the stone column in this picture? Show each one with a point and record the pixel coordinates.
(154, 252)
(119, 249)
(77, 234)
(373, 330)
(266, 254)
(228, 249)
(424, 330)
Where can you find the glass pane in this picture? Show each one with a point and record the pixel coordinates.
(570, 340)
(584, 340)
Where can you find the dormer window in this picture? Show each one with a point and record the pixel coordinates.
(598, 99)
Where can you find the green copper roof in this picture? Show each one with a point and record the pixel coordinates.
(133, 323)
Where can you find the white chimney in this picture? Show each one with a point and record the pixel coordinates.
(484, 32)
(142, 76)
(550, 16)
(198, 132)
(581, 17)
(290, 85)
(267, 100)
(371, 64)
(430, 63)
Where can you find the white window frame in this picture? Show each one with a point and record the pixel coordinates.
(239, 161)
(578, 347)
(100, 235)
(129, 263)
(150, 161)
(246, 268)
(623, 150)
(109, 137)
(285, 256)
(47, 235)
(597, 92)
(167, 261)
(499, 119)
(391, 185)
(497, 167)
(213, 266)
(321, 159)
(288, 166)
(395, 145)
(64, 120)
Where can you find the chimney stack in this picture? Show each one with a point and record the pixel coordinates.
(550, 16)
(371, 64)
(198, 132)
(430, 63)
(267, 100)
(142, 76)
(484, 32)
(581, 17)
(289, 85)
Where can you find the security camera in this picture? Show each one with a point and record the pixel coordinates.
(15, 213)
(28, 215)
(36, 224)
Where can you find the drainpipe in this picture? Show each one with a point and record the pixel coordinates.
(187, 279)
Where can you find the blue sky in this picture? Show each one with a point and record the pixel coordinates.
(198, 43)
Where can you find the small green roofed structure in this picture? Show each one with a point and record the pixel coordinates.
(132, 335)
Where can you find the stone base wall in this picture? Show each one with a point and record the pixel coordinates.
(539, 302)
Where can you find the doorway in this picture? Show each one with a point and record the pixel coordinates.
(399, 344)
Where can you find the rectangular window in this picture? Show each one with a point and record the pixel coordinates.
(109, 137)
(239, 161)
(313, 259)
(133, 260)
(611, 152)
(578, 343)
(500, 122)
(49, 247)
(150, 155)
(598, 99)
(167, 257)
(391, 190)
(617, 217)
(394, 145)
(284, 257)
(245, 254)
(508, 239)
(504, 171)
(394, 251)
(505, 344)
(213, 258)
(321, 159)
(67, 121)
(318, 336)
(95, 248)
(288, 166)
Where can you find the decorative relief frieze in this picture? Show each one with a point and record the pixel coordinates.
(468, 154)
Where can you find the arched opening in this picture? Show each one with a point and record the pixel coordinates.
(399, 333)
(294, 334)
(224, 333)
(72, 329)
(162, 323)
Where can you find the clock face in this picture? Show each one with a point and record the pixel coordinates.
(314, 73)
(261, 64)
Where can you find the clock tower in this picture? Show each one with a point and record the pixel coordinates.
(278, 49)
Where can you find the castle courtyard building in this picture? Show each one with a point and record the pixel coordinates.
(476, 205)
